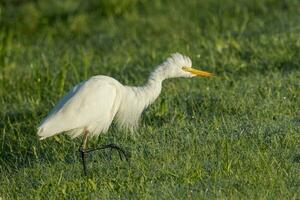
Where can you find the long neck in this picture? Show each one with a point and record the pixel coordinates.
(150, 91)
(138, 99)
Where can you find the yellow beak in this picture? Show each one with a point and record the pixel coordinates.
(197, 72)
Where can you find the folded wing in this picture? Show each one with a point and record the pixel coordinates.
(91, 104)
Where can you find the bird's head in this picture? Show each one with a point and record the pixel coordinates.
(178, 65)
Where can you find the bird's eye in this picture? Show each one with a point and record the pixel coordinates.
(184, 68)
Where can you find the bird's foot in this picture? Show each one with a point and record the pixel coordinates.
(84, 152)
(113, 146)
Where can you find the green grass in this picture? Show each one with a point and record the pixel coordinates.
(229, 137)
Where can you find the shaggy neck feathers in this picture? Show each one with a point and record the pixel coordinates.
(138, 99)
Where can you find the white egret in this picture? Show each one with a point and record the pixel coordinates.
(90, 107)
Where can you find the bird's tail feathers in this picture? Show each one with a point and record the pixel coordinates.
(43, 134)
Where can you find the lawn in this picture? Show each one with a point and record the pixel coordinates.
(234, 136)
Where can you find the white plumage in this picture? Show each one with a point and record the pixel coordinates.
(92, 105)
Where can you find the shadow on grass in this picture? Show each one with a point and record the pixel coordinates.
(296, 159)
(20, 147)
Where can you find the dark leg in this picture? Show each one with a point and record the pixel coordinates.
(83, 150)
(111, 146)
